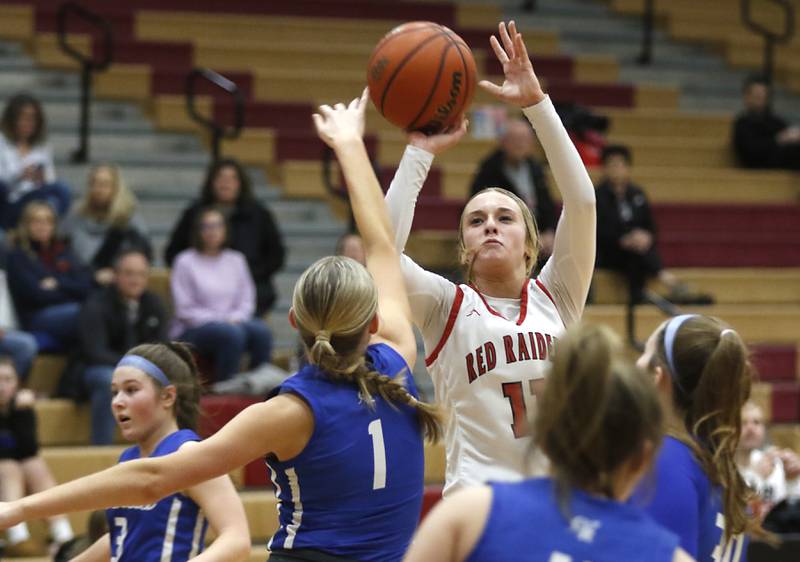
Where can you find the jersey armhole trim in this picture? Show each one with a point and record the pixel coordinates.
(552, 300)
(448, 328)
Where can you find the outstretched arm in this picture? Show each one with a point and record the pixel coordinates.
(342, 129)
(568, 272)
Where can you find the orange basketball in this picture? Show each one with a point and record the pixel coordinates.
(421, 77)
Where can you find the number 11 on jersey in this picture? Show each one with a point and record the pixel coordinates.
(515, 393)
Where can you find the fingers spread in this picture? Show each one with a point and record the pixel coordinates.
(493, 89)
(498, 50)
(507, 43)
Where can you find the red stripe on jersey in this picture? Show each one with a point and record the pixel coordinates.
(523, 303)
(552, 300)
(448, 328)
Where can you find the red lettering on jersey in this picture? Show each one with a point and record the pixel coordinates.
(533, 346)
(508, 342)
(491, 355)
(480, 361)
(542, 345)
(523, 349)
(471, 375)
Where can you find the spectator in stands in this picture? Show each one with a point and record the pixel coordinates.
(112, 321)
(626, 231)
(251, 227)
(352, 246)
(20, 346)
(215, 299)
(772, 472)
(22, 470)
(105, 222)
(762, 139)
(47, 281)
(513, 167)
(27, 172)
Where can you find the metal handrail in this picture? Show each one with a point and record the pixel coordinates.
(648, 23)
(218, 131)
(770, 37)
(88, 65)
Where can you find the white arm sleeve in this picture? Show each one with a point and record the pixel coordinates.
(430, 295)
(402, 195)
(568, 272)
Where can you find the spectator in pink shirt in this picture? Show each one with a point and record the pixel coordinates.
(215, 300)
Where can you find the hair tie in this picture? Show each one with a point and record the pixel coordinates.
(323, 335)
(726, 331)
(146, 366)
(669, 341)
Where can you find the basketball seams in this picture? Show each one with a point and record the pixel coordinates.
(402, 63)
(435, 85)
(467, 76)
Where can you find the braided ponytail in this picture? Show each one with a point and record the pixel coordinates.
(334, 302)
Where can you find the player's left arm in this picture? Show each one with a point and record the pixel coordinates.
(452, 529)
(223, 508)
(100, 551)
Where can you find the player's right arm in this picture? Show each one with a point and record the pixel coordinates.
(282, 426)
(100, 551)
(342, 129)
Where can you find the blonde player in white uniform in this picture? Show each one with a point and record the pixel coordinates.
(488, 343)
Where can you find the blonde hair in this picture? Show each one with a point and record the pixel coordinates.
(597, 412)
(334, 302)
(123, 201)
(531, 234)
(22, 234)
(710, 384)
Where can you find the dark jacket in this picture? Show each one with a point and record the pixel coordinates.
(26, 271)
(105, 335)
(754, 139)
(491, 174)
(612, 225)
(252, 231)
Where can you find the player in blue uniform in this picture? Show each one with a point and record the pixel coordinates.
(155, 394)
(600, 423)
(344, 436)
(703, 375)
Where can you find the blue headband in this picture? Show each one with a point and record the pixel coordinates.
(669, 340)
(146, 366)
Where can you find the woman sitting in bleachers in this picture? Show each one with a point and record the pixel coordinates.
(251, 228)
(48, 284)
(215, 300)
(27, 172)
(105, 222)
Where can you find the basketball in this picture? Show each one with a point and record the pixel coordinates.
(421, 77)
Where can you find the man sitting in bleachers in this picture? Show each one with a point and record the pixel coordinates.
(113, 320)
(762, 139)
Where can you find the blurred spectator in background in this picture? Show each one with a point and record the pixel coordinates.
(251, 227)
(27, 171)
(21, 347)
(626, 231)
(47, 281)
(513, 167)
(112, 321)
(22, 470)
(761, 139)
(773, 473)
(214, 298)
(105, 222)
(352, 246)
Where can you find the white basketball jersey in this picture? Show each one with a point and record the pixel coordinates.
(482, 370)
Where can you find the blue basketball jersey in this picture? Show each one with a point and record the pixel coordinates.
(679, 496)
(526, 524)
(356, 489)
(170, 530)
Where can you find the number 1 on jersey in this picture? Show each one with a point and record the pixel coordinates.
(375, 429)
(519, 412)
